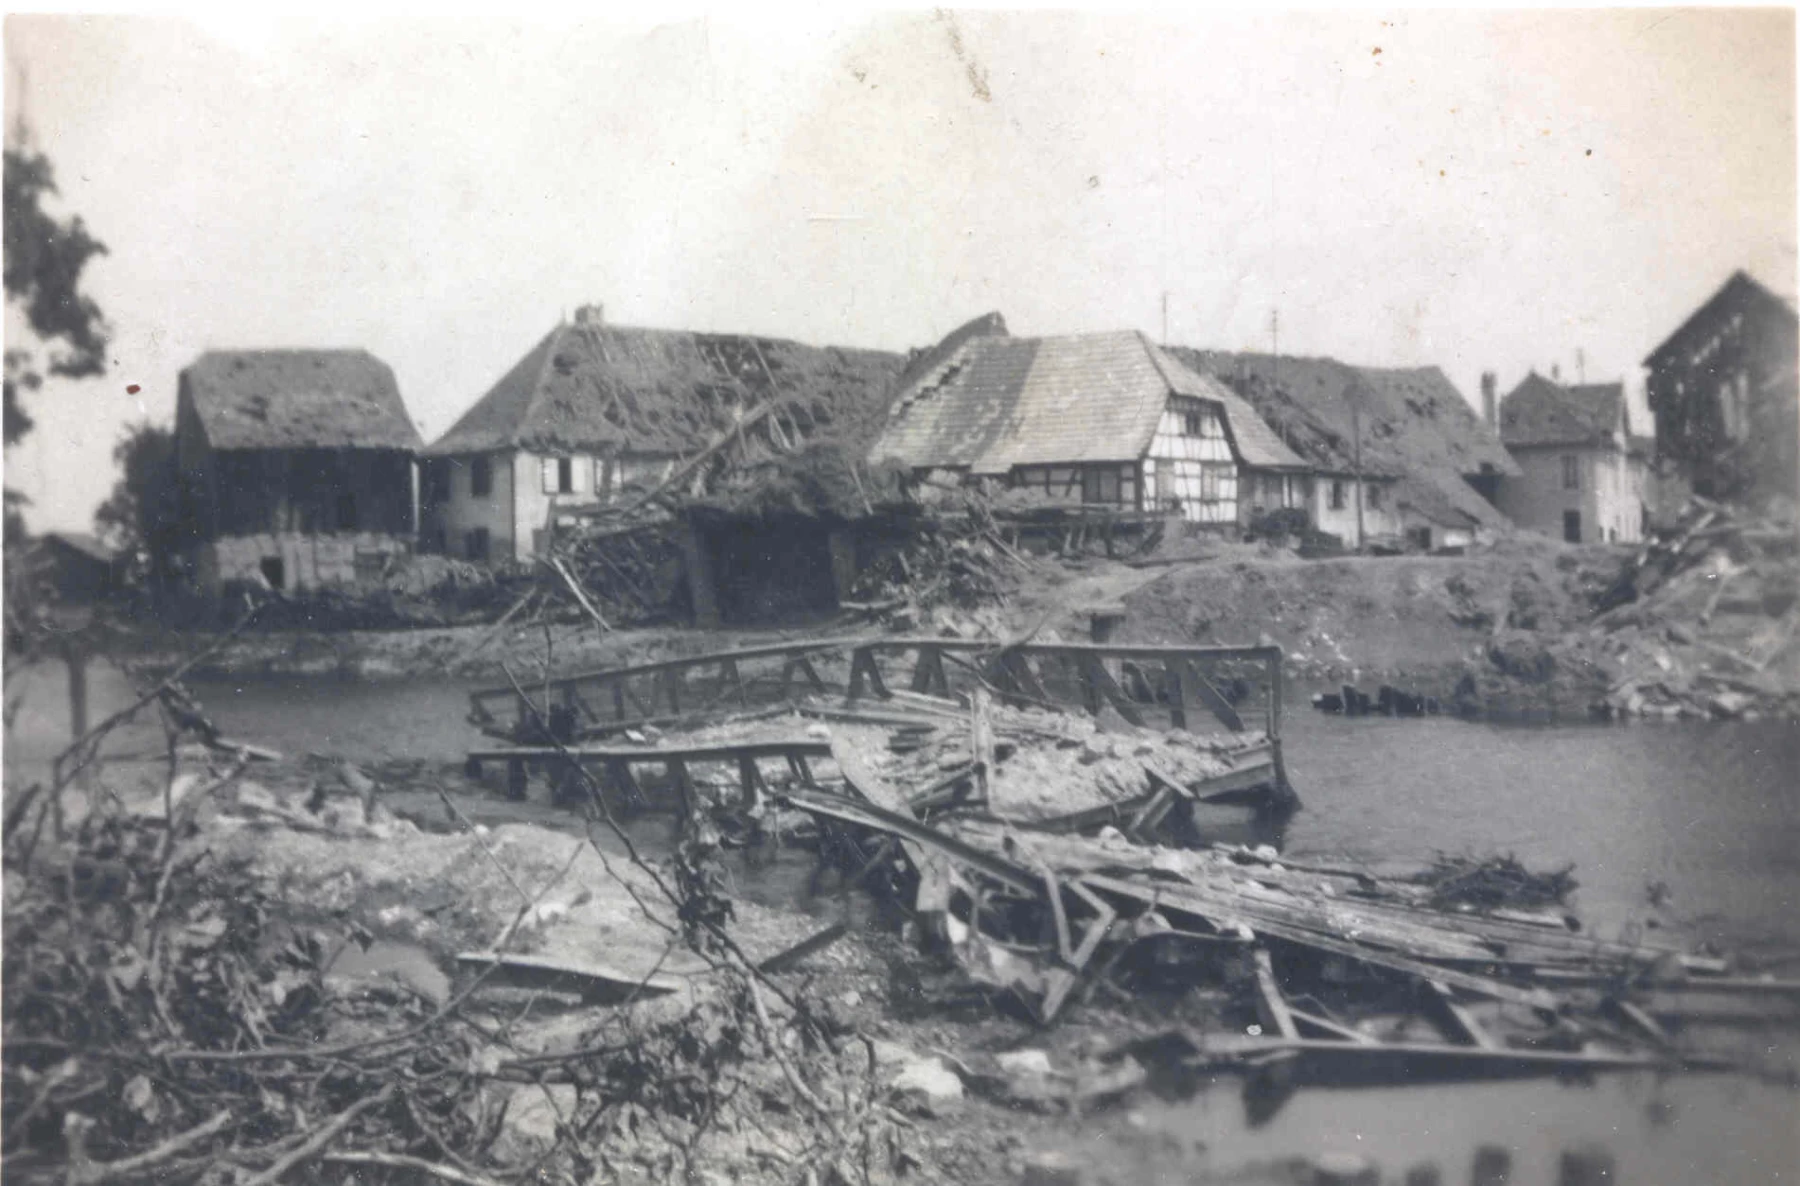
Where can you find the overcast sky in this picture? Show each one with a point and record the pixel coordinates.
(1471, 190)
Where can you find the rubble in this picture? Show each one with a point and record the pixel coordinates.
(1702, 622)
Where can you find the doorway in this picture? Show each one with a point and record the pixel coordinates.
(1572, 526)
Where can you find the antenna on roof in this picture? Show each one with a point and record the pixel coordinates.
(1165, 336)
(1580, 366)
(1274, 348)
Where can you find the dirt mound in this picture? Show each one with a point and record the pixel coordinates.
(1422, 619)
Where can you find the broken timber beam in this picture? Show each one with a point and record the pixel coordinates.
(1269, 1006)
(1189, 900)
(1457, 1017)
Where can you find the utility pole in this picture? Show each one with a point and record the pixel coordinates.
(1165, 336)
(1356, 458)
(1275, 348)
(1580, 365)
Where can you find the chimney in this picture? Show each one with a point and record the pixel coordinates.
(1555, 373)
(1490, 408)
(594, 314)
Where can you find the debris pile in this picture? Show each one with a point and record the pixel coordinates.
(1446, 974)
(1702, 621)
(1494, 883)
(958, 561)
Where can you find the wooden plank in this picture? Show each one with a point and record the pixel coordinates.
(808, 946)
(1150, 814)
(981, 741)
(1327, 1026)
(1189, 899)
(807, 747)
(869, 815)
(1641, 1020)
(1096, 676)
(729, 678)
(1198, 689)
(941, 791)
(1024, 678)
(1059, 919)
(586, 976)
(1269, 1006)
(1457, 1017)
(750, 779)
(1383, 1055)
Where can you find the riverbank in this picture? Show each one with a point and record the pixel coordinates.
(1515, 629)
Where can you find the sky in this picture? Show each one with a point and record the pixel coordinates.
(1471, 190)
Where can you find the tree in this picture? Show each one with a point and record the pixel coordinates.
(142, 517)
(44, 259)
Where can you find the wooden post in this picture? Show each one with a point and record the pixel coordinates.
(842, 543)
(1269, 1006)
(697, 568)
(76, 658)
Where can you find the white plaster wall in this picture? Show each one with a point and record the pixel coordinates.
(1341, 522)
(466, 511)
(1610, 500)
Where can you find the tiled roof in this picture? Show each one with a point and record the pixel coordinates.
(994, 402)
(593, 386)
(298, 399)
(1541, 412)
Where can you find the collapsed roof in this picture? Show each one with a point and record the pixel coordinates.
(592, 387)
(1413, 422)
(984, 401)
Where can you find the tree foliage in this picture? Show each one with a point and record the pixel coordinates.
(142, 517)
(44, 259)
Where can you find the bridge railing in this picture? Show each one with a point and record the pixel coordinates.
(1184, 687)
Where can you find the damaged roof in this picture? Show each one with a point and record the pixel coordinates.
(298, 399)
(591, 386)
(987, 402)
(1413, 421)
(1542, 412)
(1740, 292)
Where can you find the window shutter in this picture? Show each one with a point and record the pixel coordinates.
(548, 465)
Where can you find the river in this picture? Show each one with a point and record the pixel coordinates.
(1709, 810)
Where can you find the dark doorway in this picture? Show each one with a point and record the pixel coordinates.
(1572, 526)
(274, 572)
(775, 569)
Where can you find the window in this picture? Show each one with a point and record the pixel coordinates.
(1571, 467)
(481, 478)
(475, 543)
(1194, 424)
(1337, 494)
(437, 482)
(559, 475)
(1374, 495)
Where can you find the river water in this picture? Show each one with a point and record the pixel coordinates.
(1709, 810)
